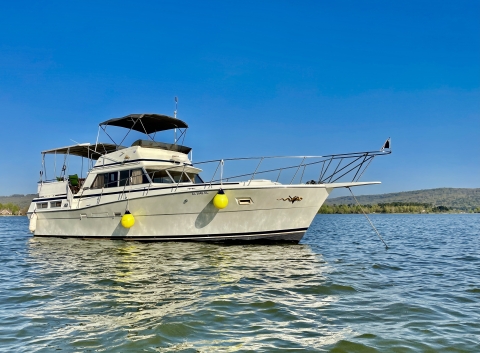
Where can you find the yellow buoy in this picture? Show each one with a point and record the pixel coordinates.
(128, 220)
(220, 200)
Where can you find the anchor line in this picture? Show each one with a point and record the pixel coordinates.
(375, 229)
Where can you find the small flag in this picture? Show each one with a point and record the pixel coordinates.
(386, 145)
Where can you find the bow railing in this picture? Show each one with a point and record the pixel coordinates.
(313, 169)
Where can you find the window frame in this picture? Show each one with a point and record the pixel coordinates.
(55, 204)
(105, 185)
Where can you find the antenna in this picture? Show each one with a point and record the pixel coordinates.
(175, 111)
(175, 116)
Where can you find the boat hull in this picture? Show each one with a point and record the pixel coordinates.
(274, 214)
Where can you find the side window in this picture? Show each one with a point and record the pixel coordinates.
(112, 180)
(107, 180)
(137, 177)
(145, 178)
(42, 205)
(99, 182)
(195, 178)
(198, 180)
(124, 177)
(56, 204)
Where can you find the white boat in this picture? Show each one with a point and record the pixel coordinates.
(152, 191)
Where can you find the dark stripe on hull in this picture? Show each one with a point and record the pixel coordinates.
(293, 236)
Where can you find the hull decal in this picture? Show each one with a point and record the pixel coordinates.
(292, 199)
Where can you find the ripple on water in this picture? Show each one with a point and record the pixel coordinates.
(339, 291)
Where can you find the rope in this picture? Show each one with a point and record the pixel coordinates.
(375, 229)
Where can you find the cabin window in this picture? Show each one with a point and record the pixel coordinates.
(170, 176)
(195, 178)
(122, 178)
(159, 176)
(133, 177)
(112, 181)
(54, 204)
(107, 180)
(180, 177)
(99, 182)
(42, 205)
(138, 177)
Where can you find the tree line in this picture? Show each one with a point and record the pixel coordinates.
(392, 207)
(10, 207)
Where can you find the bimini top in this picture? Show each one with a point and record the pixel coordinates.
(147, 123)
(86, 150)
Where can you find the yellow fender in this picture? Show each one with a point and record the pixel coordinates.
(128, 220)
(220, 200)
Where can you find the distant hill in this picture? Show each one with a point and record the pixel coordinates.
(459, 199)
(20, 200)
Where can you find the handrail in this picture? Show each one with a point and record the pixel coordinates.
(180, 178)
(299, 166)
(253, 175)
(356, 161)
(100, 197)
(336, 156)
(355, 164)
(219, 162)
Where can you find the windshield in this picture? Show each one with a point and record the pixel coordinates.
(170, 176)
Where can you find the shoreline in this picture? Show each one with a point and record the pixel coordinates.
(401, 213)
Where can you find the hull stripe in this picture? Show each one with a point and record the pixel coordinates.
(135, 161)
(184, 237)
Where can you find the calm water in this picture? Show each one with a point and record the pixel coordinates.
(338, 291)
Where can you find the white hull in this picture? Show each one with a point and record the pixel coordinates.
(189, 215)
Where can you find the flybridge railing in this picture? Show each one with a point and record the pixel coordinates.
(316, 169)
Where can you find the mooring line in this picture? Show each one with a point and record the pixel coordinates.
(375, 229)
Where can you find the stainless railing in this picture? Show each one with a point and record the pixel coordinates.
(318, 169)
(348, 164)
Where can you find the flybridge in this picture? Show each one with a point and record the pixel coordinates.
(146, 123)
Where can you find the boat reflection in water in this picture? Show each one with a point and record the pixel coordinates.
(174, 296)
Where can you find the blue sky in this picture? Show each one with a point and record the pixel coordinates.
(253, 78)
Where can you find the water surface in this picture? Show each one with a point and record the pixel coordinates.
(339, 290)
